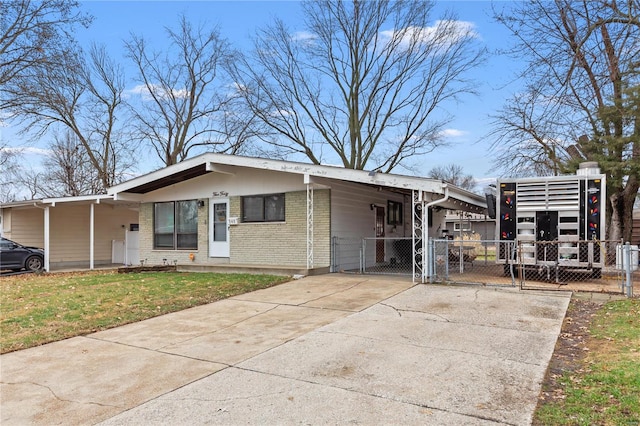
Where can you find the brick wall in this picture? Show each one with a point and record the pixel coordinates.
(277, 244)
(283, 243)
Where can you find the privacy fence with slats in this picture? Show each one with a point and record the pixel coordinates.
(601, 266)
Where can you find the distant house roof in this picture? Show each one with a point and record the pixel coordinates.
(212, 162)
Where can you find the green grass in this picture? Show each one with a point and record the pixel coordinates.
(605, 390)
(37, 309)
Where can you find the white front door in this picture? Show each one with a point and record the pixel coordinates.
(219, 227)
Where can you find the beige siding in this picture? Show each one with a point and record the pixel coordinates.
(110, 224)
(25, 226)
(69, 232)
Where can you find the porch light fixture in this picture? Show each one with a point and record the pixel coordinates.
(200, 203)
(372, 206)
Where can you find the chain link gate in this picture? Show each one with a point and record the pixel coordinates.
(470, 262)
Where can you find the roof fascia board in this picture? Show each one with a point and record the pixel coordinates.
(81, 198)
(359, 176)
(332, 172)
(16, 204)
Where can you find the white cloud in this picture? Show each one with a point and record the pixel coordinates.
(281, 113)
(27, 150)
(442, 34)
(303, 36)
(453, 133)
(143, 91)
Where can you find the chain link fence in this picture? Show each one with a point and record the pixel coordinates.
(346, 254)
(597, 266)
(471, 261)
(587, 265)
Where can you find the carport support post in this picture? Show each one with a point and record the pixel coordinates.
(309, 183)
(91, 235)
(46, 239)
(420, 234)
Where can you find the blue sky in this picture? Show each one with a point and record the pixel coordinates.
(238, 21)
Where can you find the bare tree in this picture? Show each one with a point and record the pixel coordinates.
(453, 174)
(363, 83)
(582, 72)
(67, 171)
(32, 32)
(183, 92)
(8, 170)
(82, 96)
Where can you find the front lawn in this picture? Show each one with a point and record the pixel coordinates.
(37, 309)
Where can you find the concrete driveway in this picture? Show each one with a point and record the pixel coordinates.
(331, 349)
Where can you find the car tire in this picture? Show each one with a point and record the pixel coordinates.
(33, 263)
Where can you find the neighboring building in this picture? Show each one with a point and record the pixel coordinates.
(224, 211)
(470, 225)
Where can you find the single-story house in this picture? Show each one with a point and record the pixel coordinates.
(218, 210)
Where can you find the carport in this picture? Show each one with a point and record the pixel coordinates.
(82, 231)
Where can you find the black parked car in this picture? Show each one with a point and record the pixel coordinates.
(16, 256)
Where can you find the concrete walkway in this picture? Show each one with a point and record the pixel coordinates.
(330, 349)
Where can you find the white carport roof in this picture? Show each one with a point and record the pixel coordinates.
(459, 198)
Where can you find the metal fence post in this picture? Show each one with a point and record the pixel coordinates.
(334, 246)
(431, 267)
(627, 268)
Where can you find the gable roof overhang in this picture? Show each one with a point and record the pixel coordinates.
(229, 164)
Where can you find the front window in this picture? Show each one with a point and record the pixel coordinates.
(263, 208)
(176, 225)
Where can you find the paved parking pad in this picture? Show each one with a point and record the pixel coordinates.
(470, 351)
(331, 349)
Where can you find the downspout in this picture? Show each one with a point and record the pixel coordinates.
(425, 232)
